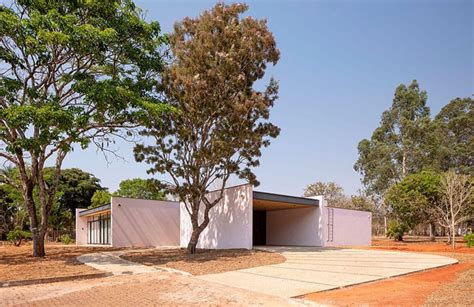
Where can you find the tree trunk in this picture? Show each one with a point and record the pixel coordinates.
(385, 225)
(38, 244)
(448, 233)
(432, 232)
(453, 234)
(194, 240)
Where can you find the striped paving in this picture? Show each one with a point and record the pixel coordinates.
(310, 269)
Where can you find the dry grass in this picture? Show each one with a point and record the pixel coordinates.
(17, 263)
(205, 261)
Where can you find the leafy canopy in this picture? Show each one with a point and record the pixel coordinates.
(100, 198)
(222, 121)
(139, 188)
(71, 73)
(454, 128)
(412, 199)
(399, 146)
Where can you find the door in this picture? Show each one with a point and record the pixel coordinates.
(259, 228)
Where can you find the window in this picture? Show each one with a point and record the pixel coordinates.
(98, 229)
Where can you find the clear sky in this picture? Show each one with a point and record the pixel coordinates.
(340, 63)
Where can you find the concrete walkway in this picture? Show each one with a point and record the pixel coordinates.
(112, 263)
(317, 269)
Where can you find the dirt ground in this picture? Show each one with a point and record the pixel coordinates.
(16, 263)
(205, 261)
(153, 289)
(451, 285)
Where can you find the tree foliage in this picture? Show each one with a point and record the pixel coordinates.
(140, 188)
(71, 73)
(399, 146)
(412, 199)
(454, 132)
(100, 198)
(335, 196)
(76, 188)
(222, 120)
(331, 191)
(12, 207)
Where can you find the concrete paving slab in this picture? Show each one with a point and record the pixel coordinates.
(282, 287)
(374, 271)
(310, 269)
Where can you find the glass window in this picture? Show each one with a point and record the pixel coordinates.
(98, 227)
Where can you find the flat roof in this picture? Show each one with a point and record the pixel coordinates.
(95, 210)
(285, 199)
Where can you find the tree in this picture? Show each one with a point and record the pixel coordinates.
(12, 206)
(332, 192)
(412, 199)
(454, 128)
(399, 146)
(100, 198)
(363, 202)
(457, 202)
(71, 73)
(140, 188)
(77, 188)
(221, 122)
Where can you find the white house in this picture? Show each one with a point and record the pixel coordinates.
(243, 219)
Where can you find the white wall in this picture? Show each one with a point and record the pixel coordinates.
(81, 228)
(294, 227)
(140, 222)
(351, 228)
(230, 223)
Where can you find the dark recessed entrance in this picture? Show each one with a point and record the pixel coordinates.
(259, 228)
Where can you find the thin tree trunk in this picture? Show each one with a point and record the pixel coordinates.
(448, 233)
(432, 231)
(385, 225)
(453, 232)
(404, 164)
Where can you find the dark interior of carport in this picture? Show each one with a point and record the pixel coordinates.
(264, 202)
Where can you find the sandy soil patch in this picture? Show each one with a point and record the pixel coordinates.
(205, 261)
(17, 263)
(451, 285)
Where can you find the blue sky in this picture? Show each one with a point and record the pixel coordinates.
(340, 63)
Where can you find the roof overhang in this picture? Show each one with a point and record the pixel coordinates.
(94, 211)
(263, 201)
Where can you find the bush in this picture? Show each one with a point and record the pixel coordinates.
(66, 239)
(396, 230)
(469, 238)
(17, 235)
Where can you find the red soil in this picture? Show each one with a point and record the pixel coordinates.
(409, 290)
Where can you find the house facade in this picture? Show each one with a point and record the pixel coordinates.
(244, 218)
(127, 222)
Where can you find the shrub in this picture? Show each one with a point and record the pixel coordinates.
(66, 239)
(17, 235)
(396, 230)
(469, 238)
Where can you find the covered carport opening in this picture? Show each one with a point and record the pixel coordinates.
(283, 219)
